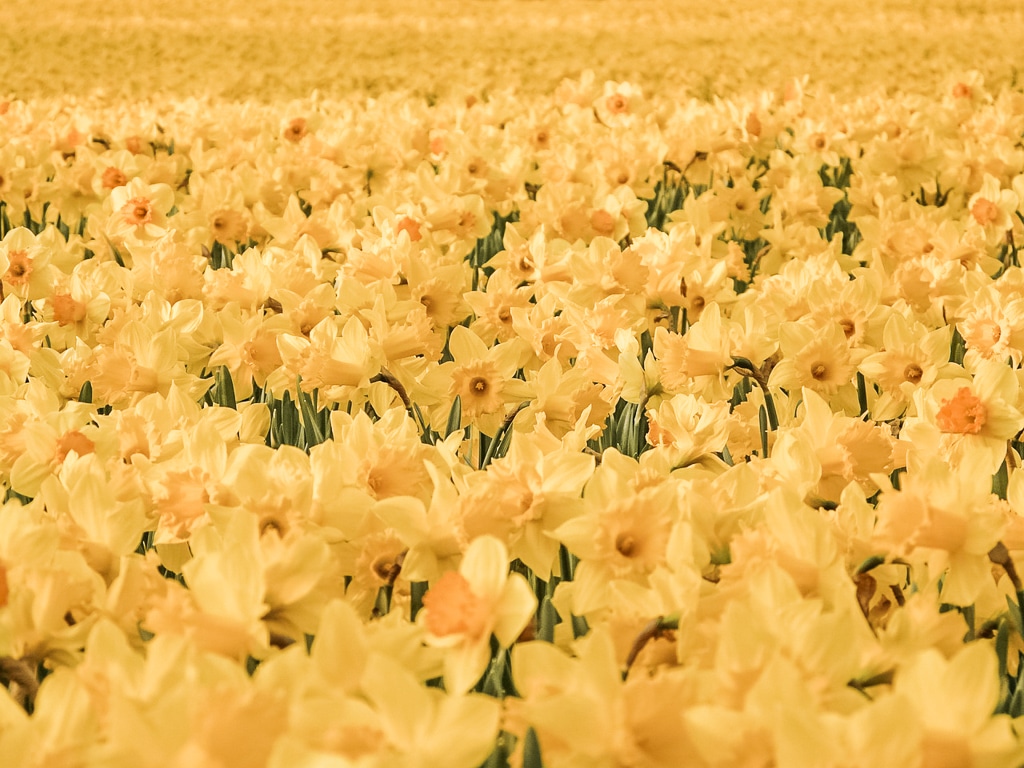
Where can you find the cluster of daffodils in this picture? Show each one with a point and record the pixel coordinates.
(588, 428)
(266, 51)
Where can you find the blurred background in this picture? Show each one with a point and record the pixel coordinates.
(266, 50)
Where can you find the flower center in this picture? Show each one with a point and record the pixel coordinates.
(913, 373)
(386, 569)
(602, 222)
(819, 372)
(410, 227)
(625, 544)
(66, 309)
(453, 608)
(113, 177)
(137, 211)
(985, 211)
(296, 129)
(273, 523)
(617, 104)
(73, 440)
(19, 269)
(962, 414)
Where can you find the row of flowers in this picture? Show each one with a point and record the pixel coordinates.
(591, 428)
(258, 50)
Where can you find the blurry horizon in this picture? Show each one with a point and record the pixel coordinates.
(258, 50)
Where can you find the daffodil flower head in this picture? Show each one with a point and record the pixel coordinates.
(463, 609)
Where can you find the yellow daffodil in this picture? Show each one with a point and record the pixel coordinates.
(463, 608)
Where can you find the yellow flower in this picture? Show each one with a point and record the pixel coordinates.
(464, 608)
(524, 496)
(139, 211)
(430, 535)
(479, 386)
(584, 714)
(425, 727)
(993, 327)
(47, 441)
(494, 306)
(848, 449)
(702, 353)
(623, 531)
(222, 608)
(950, 511)
(249, 348)
(106, 527)
(819, 359)
(483, 378)
(26, 260)
(992, 209)
(948, 705)
(335, 361)
(687, 429)
(959, 417)
(562, 398)
(384, 458)
(289, 228)
(912, 357)
(47, 586)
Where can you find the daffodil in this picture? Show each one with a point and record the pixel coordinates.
(482, 378)
(952, 512)
(584, 714)
(958, 417)
(523, 497)
(139, 211)
(819, 359)
(944, 728)
(26, 259)
(464, 608)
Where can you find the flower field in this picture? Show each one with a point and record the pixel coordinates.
(409, 386)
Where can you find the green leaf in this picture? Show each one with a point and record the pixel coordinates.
(224, 390)
(548, 618)
(314, 435)
(454, 417)
(566, 562)
(531, 750)
(1001, 481)
(1016, 708)
(498, 446)
(869, 564)
(417, 590)
(862, 393)
(1002, 646)
(1015, 616)
(494, 684)
(957, 348)
(499, 757)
